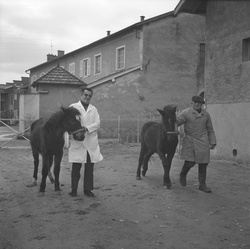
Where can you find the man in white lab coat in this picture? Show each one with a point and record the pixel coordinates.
(88, 150)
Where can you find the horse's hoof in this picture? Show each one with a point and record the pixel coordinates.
(57, 189)
(143, 173)
(138, 178)
(41, 194)
(33, 184)
(168, 186)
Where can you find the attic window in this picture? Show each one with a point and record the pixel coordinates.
(85, 67)
(72, 68)
(97, 63)
(246, 50)
(120, 58)
(33, 78)
(202, 55)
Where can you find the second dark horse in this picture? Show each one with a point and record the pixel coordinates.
(160, 138)
(47, 139)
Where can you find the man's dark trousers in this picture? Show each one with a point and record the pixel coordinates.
(88, 182)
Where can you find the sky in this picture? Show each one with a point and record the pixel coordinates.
(31, 29)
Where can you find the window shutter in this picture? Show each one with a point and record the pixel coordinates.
(89, 64)
(81, 65)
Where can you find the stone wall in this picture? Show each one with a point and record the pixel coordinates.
(227, 77)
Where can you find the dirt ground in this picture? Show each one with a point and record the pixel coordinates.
(126, 213)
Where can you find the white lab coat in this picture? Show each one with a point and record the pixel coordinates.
(78, 149)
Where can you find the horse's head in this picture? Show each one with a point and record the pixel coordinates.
(71, 119)
(169, 119)
(79, 135)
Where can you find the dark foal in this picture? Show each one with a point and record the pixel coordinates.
(160, 138)
(47, 139)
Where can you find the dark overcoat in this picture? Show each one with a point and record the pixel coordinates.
(199, 135)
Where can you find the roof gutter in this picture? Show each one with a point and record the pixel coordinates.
(112, 78)
(178, 7)
(135, 26)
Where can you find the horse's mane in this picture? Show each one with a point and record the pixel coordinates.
(56, 118)
(54, 121)
(169, 108)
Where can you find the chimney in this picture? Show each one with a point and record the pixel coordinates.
(108, 33)
(50, 57)
(142, 18)
(60, 53)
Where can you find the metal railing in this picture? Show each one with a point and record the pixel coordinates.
(17, 133)
(124, 129)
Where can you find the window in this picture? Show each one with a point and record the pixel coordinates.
(98, 58)
(85, 67)
(246, 49)
(72, 68)
(202, 55)
(33, 78)
(11, 99)
(202, 60)
(120, 58)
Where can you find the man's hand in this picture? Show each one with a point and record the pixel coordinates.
(86, 129)
(212, 146)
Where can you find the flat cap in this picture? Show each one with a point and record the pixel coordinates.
(198, 99)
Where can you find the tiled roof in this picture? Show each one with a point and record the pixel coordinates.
(3, 86)
(58, 75)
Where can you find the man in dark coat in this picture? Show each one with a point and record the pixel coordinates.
(198, 140)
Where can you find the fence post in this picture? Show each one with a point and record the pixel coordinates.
(138, 128)
(119, 127)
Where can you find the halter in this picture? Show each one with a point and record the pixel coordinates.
(74, 132)
(176, 132)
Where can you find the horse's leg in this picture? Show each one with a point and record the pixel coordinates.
(57, 163)
(45, 170)
(49, 173)
(35, 171)
(145, 162)
(141, 157)
(166, 162)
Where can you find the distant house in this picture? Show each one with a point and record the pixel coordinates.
(139, 68)
(3, 101)
(227, 72)
(10, 93)
(54, 89)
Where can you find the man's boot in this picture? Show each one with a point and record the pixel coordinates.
(73, 192)
(202, 171)
(75, 177)
(186, 167)
(88, 177)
